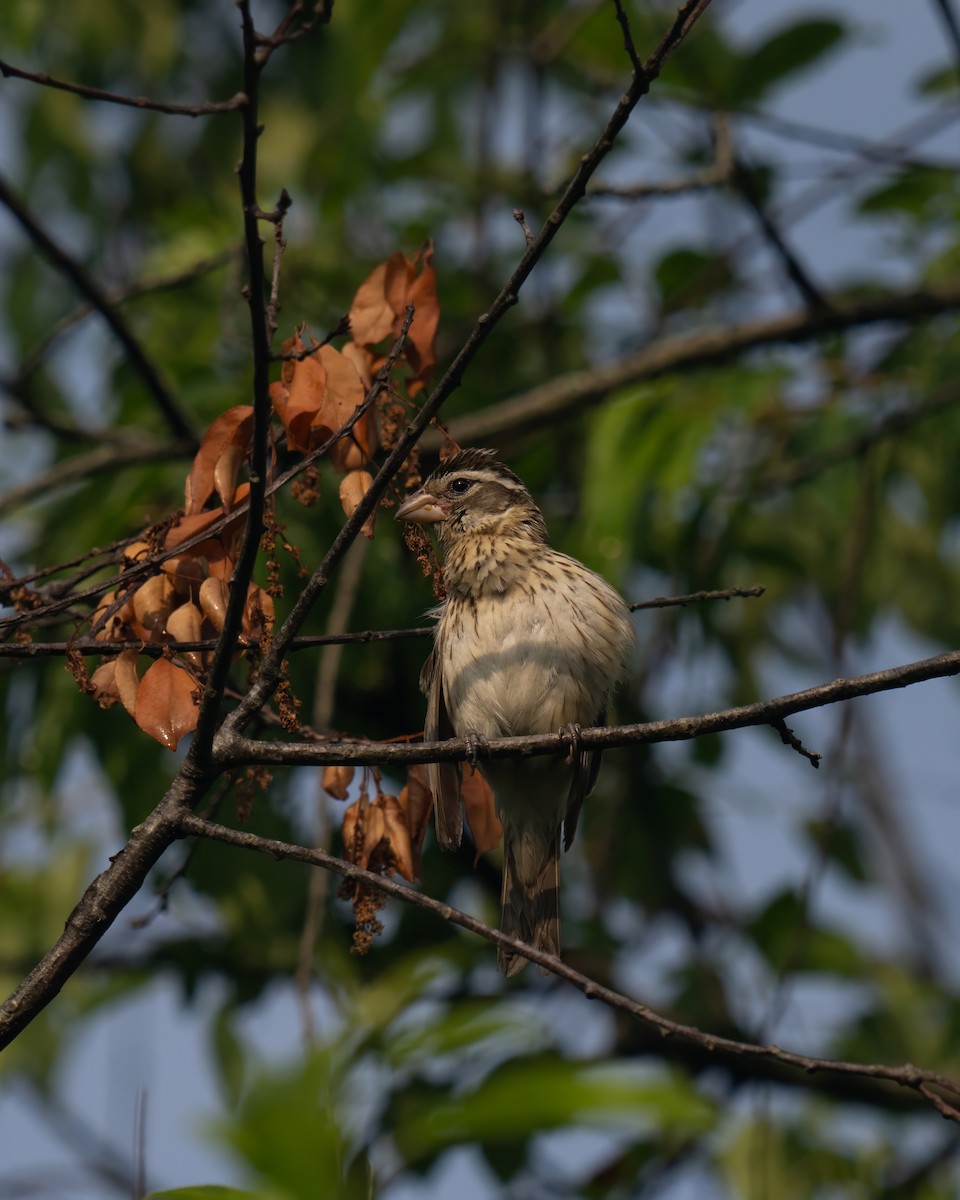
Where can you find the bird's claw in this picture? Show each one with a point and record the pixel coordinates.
(475, 742)
(571, 733)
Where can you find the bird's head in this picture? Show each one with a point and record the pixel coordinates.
(473, 493)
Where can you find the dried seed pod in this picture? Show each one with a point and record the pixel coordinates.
(336, 781)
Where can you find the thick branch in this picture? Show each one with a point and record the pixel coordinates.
(571, 393)
(235, 750)
(906, 1075)
(100, 905)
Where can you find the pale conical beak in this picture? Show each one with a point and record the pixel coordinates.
(422, 508)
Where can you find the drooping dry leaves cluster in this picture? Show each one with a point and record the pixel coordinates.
(384, 833)
(324, 397)
(339, 405)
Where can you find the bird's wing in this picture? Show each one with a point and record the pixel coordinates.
(586, 768)
(443, 779)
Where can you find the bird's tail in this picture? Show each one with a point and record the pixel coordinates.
(530, 899)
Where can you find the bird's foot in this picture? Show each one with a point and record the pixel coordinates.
(571, 733)
(475, 743)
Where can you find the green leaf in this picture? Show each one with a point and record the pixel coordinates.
(688, 277)
(791, 50)
(523, 1098)
(911, 194)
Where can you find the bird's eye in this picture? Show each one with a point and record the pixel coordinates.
(459, 486)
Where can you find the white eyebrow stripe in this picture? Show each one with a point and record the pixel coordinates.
(482, 476)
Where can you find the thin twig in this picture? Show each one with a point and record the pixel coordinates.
(88, 646)
(67, 265)
(205, 108)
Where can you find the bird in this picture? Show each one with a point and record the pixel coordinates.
(527, 641)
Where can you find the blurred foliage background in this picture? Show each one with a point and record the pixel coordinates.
(722, 881)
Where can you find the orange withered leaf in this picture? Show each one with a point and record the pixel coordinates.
(298, 401)
(153, 602)
(183, 625)
(363, 829)
(397, 832)
(228, 539)
(418, 803)
(353, 487)
(258, 613)
(479, 809)
(362, 359)
(345, 393)
(374, 307)
(127, 679)
(227, 439)
(421, 352)
(165, 706)
(112, 626)
(337, 780)
(214, 596)
(104, 684)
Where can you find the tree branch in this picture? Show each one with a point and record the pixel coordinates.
(205, 108)
(909, 1076)
(234, 750)
(571, 393)
(158, 650)
(67, 265)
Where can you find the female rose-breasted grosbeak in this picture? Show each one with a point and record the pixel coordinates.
(528, 641)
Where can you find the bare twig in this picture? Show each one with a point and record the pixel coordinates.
(698, 597)
(87, 646)
(628, 45)
(205, 108)
(520, 217)
(68, 266)
(789, 738)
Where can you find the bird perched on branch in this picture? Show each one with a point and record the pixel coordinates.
(529, 641)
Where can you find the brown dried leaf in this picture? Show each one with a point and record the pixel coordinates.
(233, 428)
(127, 680)
(337, 780)
(421, 352)
(298, 401)
(186, 571)
(104, 684)
(397, 832)
(373, 310)
(112, 629)
(353, 487)
(153, 602)
(165, 705)
(193, 523)
(183, 625)
(479, 809)
(363, 830)
(418, 801)
(214, 597)
(136, 552)
(362, 359)
(258, 612)
(226, 472)
(345, 393)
